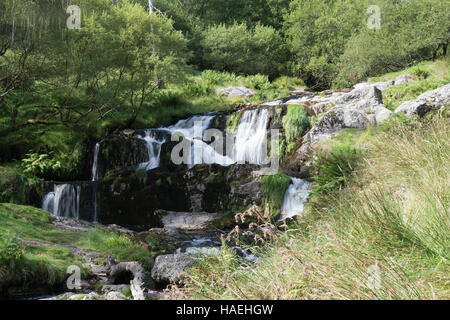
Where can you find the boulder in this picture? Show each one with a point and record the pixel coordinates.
(188, 220)
(232, 92)
(114, 295)
(131, 200)
(172, 268)
(336, 119)
(362, 98)
(406, 78)
(426, 102)
(138, 274)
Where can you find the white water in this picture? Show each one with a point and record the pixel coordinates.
(64, 201)
(153, 148)
(295, 198)
(192, 129)
(49, 202)
(251, 134)
(95, 163)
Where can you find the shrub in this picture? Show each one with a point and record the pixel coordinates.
(257, 82)
(237, 48)
(11, 251)
(40, 164)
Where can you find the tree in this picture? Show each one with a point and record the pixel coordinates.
(242, 50)
(411, 31)
(318, 32)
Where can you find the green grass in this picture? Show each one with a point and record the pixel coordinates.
(429, 75)
(389, 222)
(29, 223)
(274, 188)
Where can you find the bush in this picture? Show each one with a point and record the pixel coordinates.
(411, 31)
(239, 49)
(40, 164)
(11, 251)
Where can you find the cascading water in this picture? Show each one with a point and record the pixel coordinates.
(295, 198)
(95, 163)
(192, 129)
(250, 141)
(49, 202)
(64, 201)
(153, 148)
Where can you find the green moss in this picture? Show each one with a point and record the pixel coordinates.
(274, 189)
(233, 122)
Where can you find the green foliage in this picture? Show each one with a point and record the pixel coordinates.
(257, 82)
(141, 175)
(295, 124)
(244, 50)
(411, 31)
(233, 121)
(334, 169)
(40, 164)
(392, 218)
(421, 73)
(274, 189)
(318, 32)
(11, 250)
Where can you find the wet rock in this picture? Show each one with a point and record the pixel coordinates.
(120, 151)
(426, 102)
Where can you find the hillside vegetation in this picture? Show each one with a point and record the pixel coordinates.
(379, 232)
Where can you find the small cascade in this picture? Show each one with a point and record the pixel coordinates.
(48, 202)
(193, 130)
(251, 134)
(95, 163)
(295, 198)
(154, 144)
(64, 201)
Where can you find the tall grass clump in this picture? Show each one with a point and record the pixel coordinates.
(295, 123)
(384, 234)
(274, 188)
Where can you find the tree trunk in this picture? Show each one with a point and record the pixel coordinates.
(158, 80)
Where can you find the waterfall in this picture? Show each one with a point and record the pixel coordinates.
(64, 201)
(251, 134)
(95, 163)
(153, 148)
(49, 202)
(199, 152)
(295, 198)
